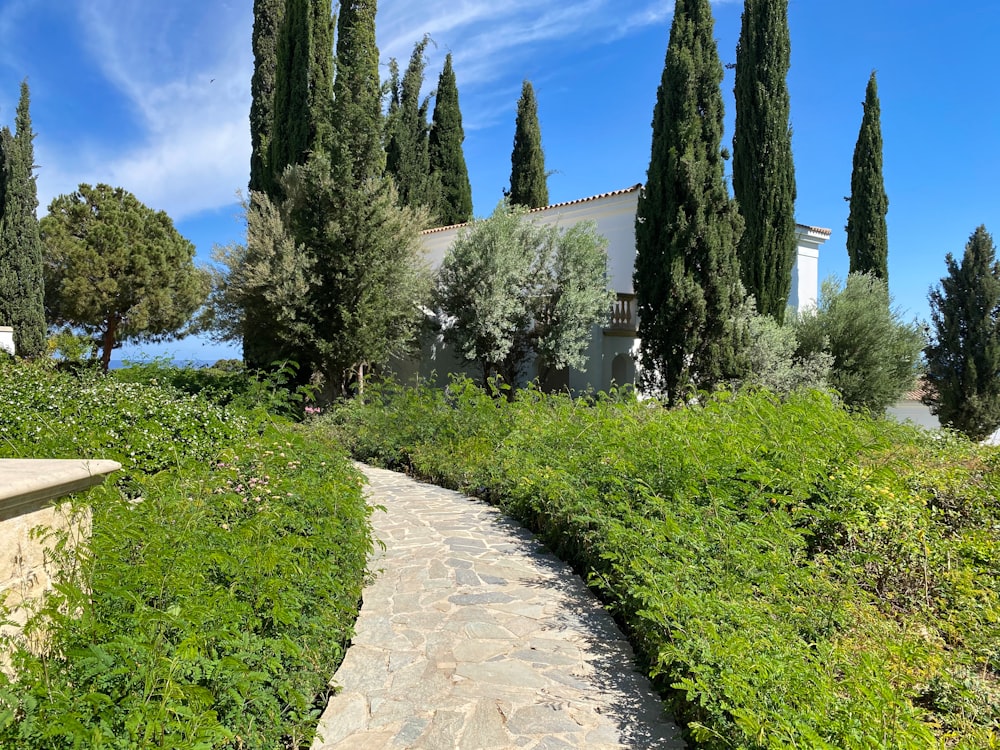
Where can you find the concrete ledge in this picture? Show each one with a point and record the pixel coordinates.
(27, 484)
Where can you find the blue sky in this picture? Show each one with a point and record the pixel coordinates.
(154, 97)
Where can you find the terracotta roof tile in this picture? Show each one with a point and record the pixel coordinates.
(917, 392)
(623, 191)
(817, 230)
(546, 208)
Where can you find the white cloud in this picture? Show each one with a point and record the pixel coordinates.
(488, 39)
(496, 44)
(185, 67)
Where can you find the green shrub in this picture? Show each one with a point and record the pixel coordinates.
(227, 382)
(876, 356)
(792, 575)
(772, 358)
(218, 590)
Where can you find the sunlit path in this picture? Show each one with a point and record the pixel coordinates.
(473, 636)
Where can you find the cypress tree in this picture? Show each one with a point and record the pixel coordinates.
(321, 77)
(963, 357)
(687, 227)
(527, 162)
(22, 294)
(447, 159)
(292, 114)
(867, 234)
(407, 152)
(763, 170)
(267, 16)
(358, 154)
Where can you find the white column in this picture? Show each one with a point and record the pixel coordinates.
(7, 339)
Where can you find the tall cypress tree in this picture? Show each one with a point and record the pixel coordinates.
(763, 170)
(292, 100)
(963, 357)
(447, 159)
(407, 151)
(358, 154)
(280, 120)
(528, 185)
(867, 234)
(22, 294)
(267, 16)
(321, 77)
(687, 227)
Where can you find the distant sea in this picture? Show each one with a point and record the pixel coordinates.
(117, 364)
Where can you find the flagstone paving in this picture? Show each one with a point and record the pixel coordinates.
(473, 636)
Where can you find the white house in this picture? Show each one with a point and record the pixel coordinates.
(612, 348)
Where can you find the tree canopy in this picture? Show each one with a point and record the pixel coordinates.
(867, 232)
(321, 72)
(407, 134)
(267, 20)
(261, 290)
(528, 180)
(21, 278)
(511, 291)
(763, 169)
(117, 269)
(358, 154)
(963, 356)
(876, 356)
(687, 227)
(292, 125)
(447, 160)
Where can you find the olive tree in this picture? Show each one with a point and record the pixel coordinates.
(876, 356)
(511, 291)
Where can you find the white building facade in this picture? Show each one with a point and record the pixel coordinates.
(612, 349)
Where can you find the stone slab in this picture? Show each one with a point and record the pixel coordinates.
(473, 636)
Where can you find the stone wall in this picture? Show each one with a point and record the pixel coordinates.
(27, 567)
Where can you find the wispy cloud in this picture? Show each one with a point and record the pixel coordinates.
(184, 69)
(490, 40)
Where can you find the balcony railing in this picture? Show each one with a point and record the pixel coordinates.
(624, 316)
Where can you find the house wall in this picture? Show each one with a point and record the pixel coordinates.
(611, 354)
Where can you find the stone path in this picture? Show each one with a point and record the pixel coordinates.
(473, 636)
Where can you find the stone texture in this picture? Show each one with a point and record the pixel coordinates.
(473, 636)
(26, 573)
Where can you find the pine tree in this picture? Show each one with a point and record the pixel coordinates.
(291, 135)
(763, 170)
(22, 293)
(358, 154)
(407, 152)
(267, 17)
(687, 226)
(447, 159)
(118, 269)
(867, 235)
(527, 162)
(963, 357)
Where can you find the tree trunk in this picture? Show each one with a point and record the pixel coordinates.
(108, 342)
